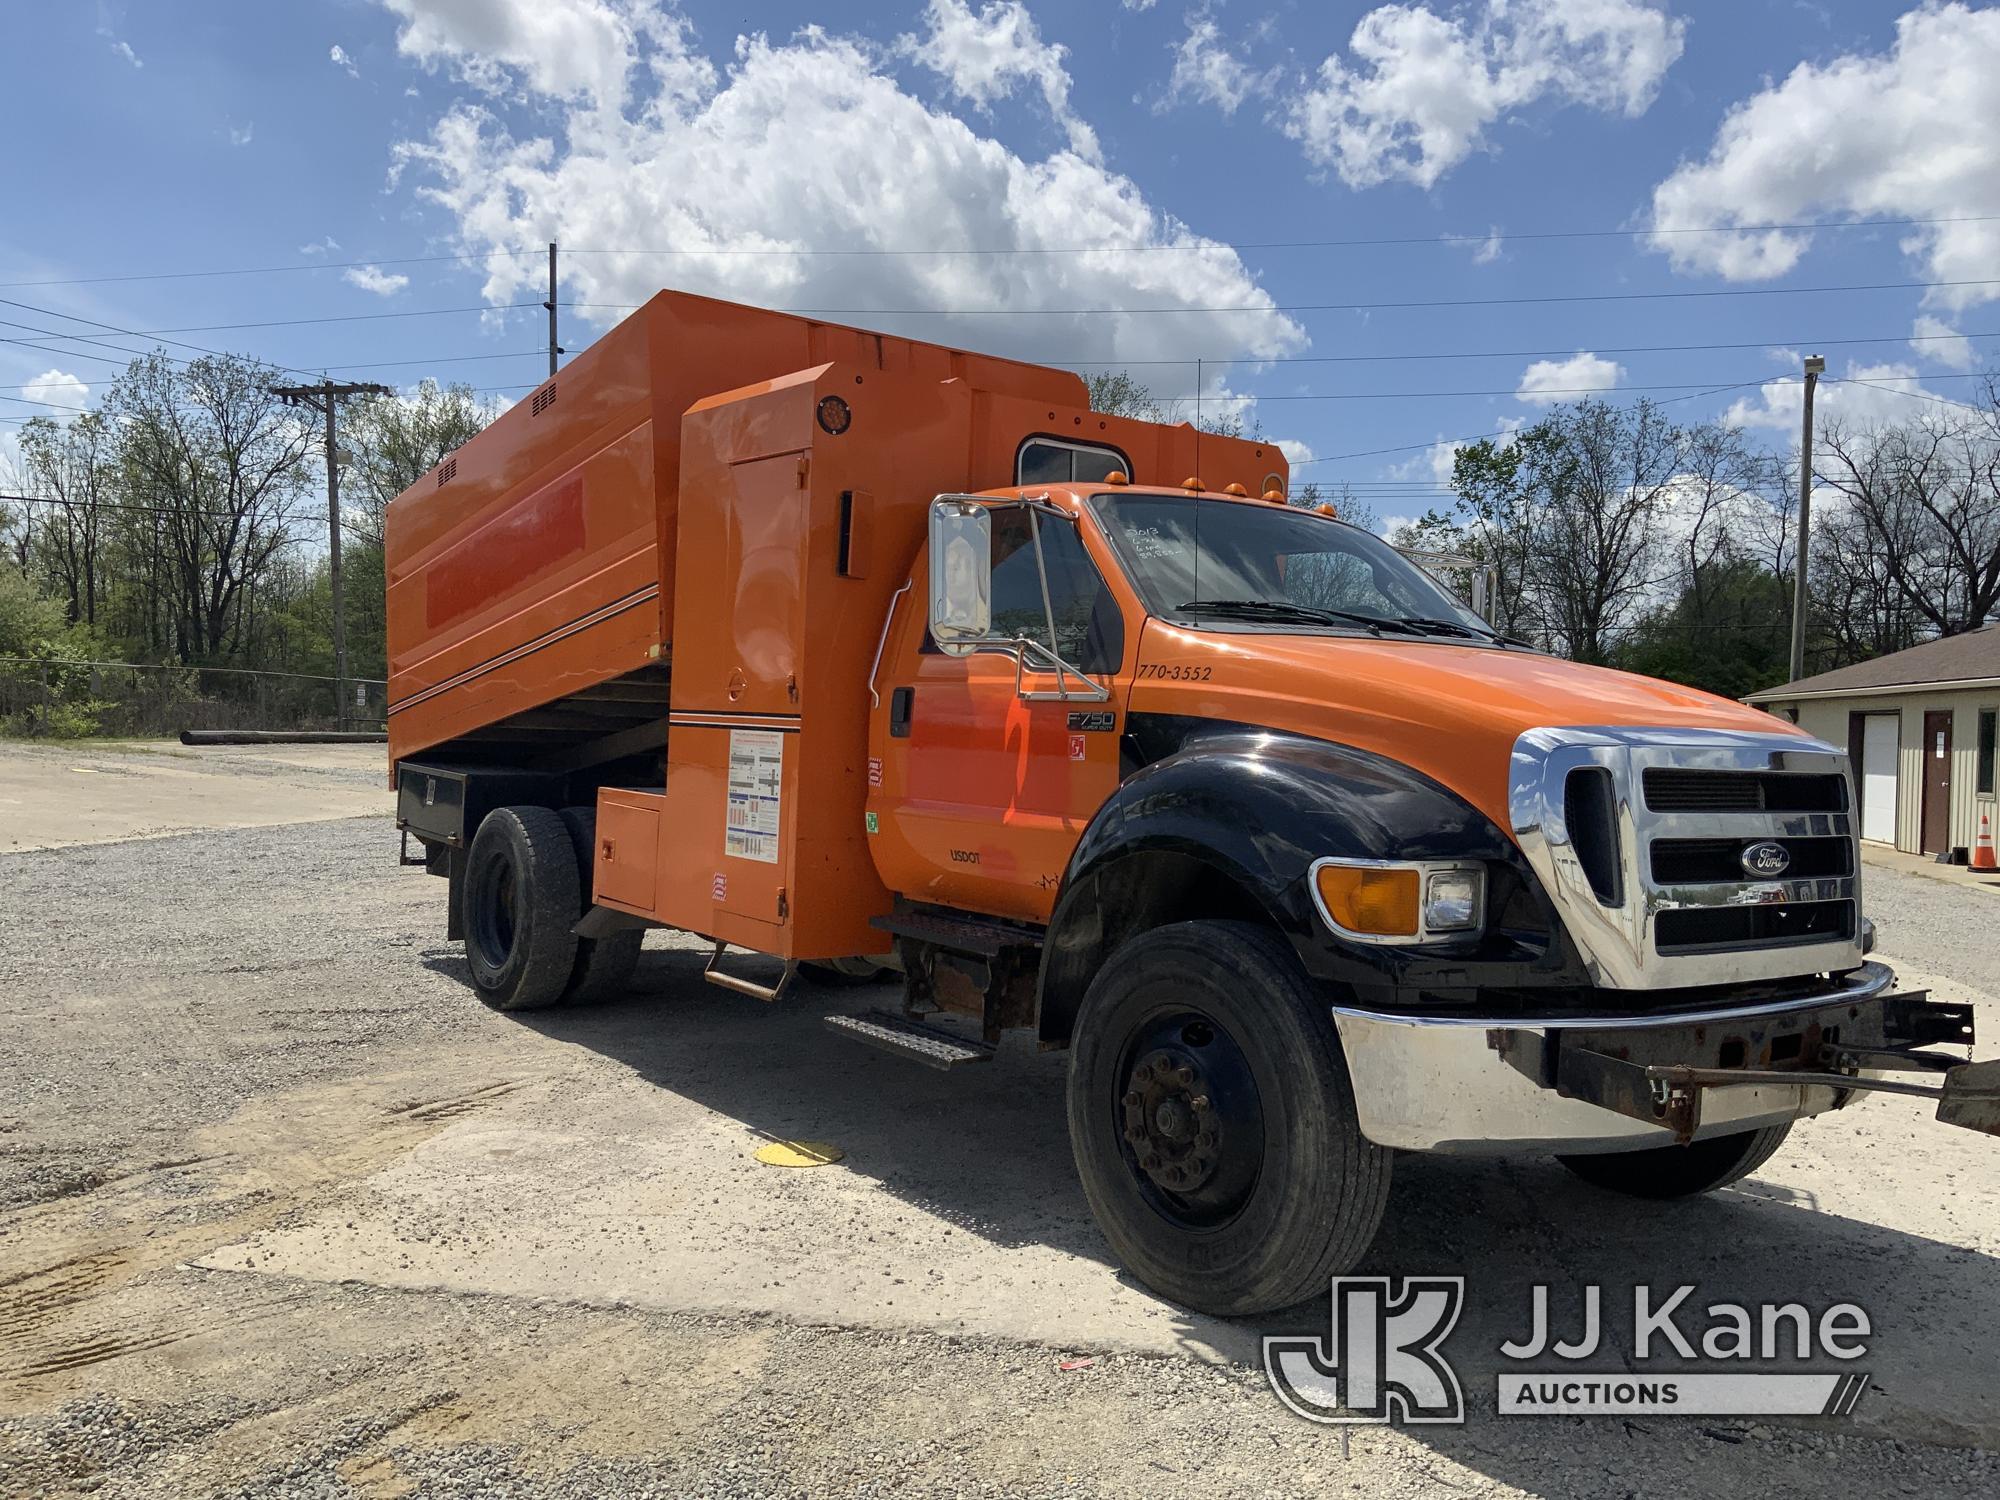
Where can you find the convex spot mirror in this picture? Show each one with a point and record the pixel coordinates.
(961, 575)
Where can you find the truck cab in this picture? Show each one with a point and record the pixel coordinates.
(960, 683)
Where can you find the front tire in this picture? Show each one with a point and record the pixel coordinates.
(1681, 1171)
(518, 905)
(1213, 1122)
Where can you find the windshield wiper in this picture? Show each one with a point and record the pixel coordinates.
(1450, 627)
(1273, 609)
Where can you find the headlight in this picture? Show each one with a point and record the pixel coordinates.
(1387, 901)
(1452, 900)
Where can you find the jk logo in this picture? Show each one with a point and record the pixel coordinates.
(1380, 1362)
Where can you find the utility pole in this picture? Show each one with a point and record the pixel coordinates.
(1815, 367)
(325, 398)
(554, 347)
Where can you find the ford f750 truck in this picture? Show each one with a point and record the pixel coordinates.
(878, 656)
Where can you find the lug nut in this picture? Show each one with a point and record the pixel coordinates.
(1206, 1140)
(1150, 1162)
(1199, 1103)
(1184, 1075)
(1134, 1099)
(1143, 1072)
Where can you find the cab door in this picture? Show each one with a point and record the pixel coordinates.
(978, 794)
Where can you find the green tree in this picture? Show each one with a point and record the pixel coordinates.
(1728, 635)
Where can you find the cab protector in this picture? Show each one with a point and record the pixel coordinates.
(1225, 820)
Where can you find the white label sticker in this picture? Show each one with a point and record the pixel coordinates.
(756, 781)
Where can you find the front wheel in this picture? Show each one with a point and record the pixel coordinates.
(1213, 1121)
(1681, 1171)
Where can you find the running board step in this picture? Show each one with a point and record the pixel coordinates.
(930, 1045)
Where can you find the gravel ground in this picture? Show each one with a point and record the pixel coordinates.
(1946, 927)
(213, 1037)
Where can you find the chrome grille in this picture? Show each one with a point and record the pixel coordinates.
(1648, 870)
(1670, 789)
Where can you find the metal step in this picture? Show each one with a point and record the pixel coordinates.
(932, 1046)
(957, 932)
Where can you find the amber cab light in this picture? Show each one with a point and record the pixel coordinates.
(1117, 476)
(1277, 496)
(1191, 484)
(1370, 900)
(1233, 488)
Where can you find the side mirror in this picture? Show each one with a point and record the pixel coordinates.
(961, 575)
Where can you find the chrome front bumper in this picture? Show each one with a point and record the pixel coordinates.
(1462, 1085)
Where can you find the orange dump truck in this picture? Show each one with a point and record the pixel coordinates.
(885, 657)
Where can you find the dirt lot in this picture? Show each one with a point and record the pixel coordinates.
(285, 1211)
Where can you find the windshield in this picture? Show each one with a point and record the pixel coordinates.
(1273, 564)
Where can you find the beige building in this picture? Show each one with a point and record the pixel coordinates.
(1920, 727)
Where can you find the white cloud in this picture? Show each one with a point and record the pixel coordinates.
(1488, 250)
(322, 247)
(1140, 5)
(1435, 462)
(57, 388)
(337, 55)
(1207, 71)
(241, 135)
(1861, 395)
(1933, 338)
(813, 144)
(1904, 134)
(1548, 381)
(1415, 94)
(122, 48)
(983, 56)
(1295, 451)
(565, 49)
(374, 279)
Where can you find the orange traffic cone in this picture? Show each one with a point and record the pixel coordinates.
(1982, 856)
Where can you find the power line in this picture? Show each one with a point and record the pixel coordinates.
(1341, 359)
(1210, 247)
(48, 312)
(1332, 458)
(1307, 307)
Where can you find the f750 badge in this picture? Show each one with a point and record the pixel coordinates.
(1101, 722)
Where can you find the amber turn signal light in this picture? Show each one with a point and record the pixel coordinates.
(1376, 902)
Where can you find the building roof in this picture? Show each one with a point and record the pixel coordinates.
(1971, 659)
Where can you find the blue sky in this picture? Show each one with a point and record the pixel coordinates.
(219, 136)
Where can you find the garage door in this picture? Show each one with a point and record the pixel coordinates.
(1878, 777)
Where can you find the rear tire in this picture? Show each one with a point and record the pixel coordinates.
(1681, 1171)
(518, 905)
(1202, 1049)
(847, 973)
(603, 965)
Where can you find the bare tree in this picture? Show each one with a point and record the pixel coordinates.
(1596, 477)
(220, 462)
(72, 465)
(1923, 498)
(396, 440)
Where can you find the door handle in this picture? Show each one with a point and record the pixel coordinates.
(901, 701)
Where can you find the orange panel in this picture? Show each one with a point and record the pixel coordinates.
(628, 843)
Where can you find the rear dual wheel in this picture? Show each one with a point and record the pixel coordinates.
(1214, 1125)
(527, 881)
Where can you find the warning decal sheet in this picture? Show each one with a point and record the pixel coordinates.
(756, 779)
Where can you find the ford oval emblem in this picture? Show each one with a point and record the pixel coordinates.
(1766, 860)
